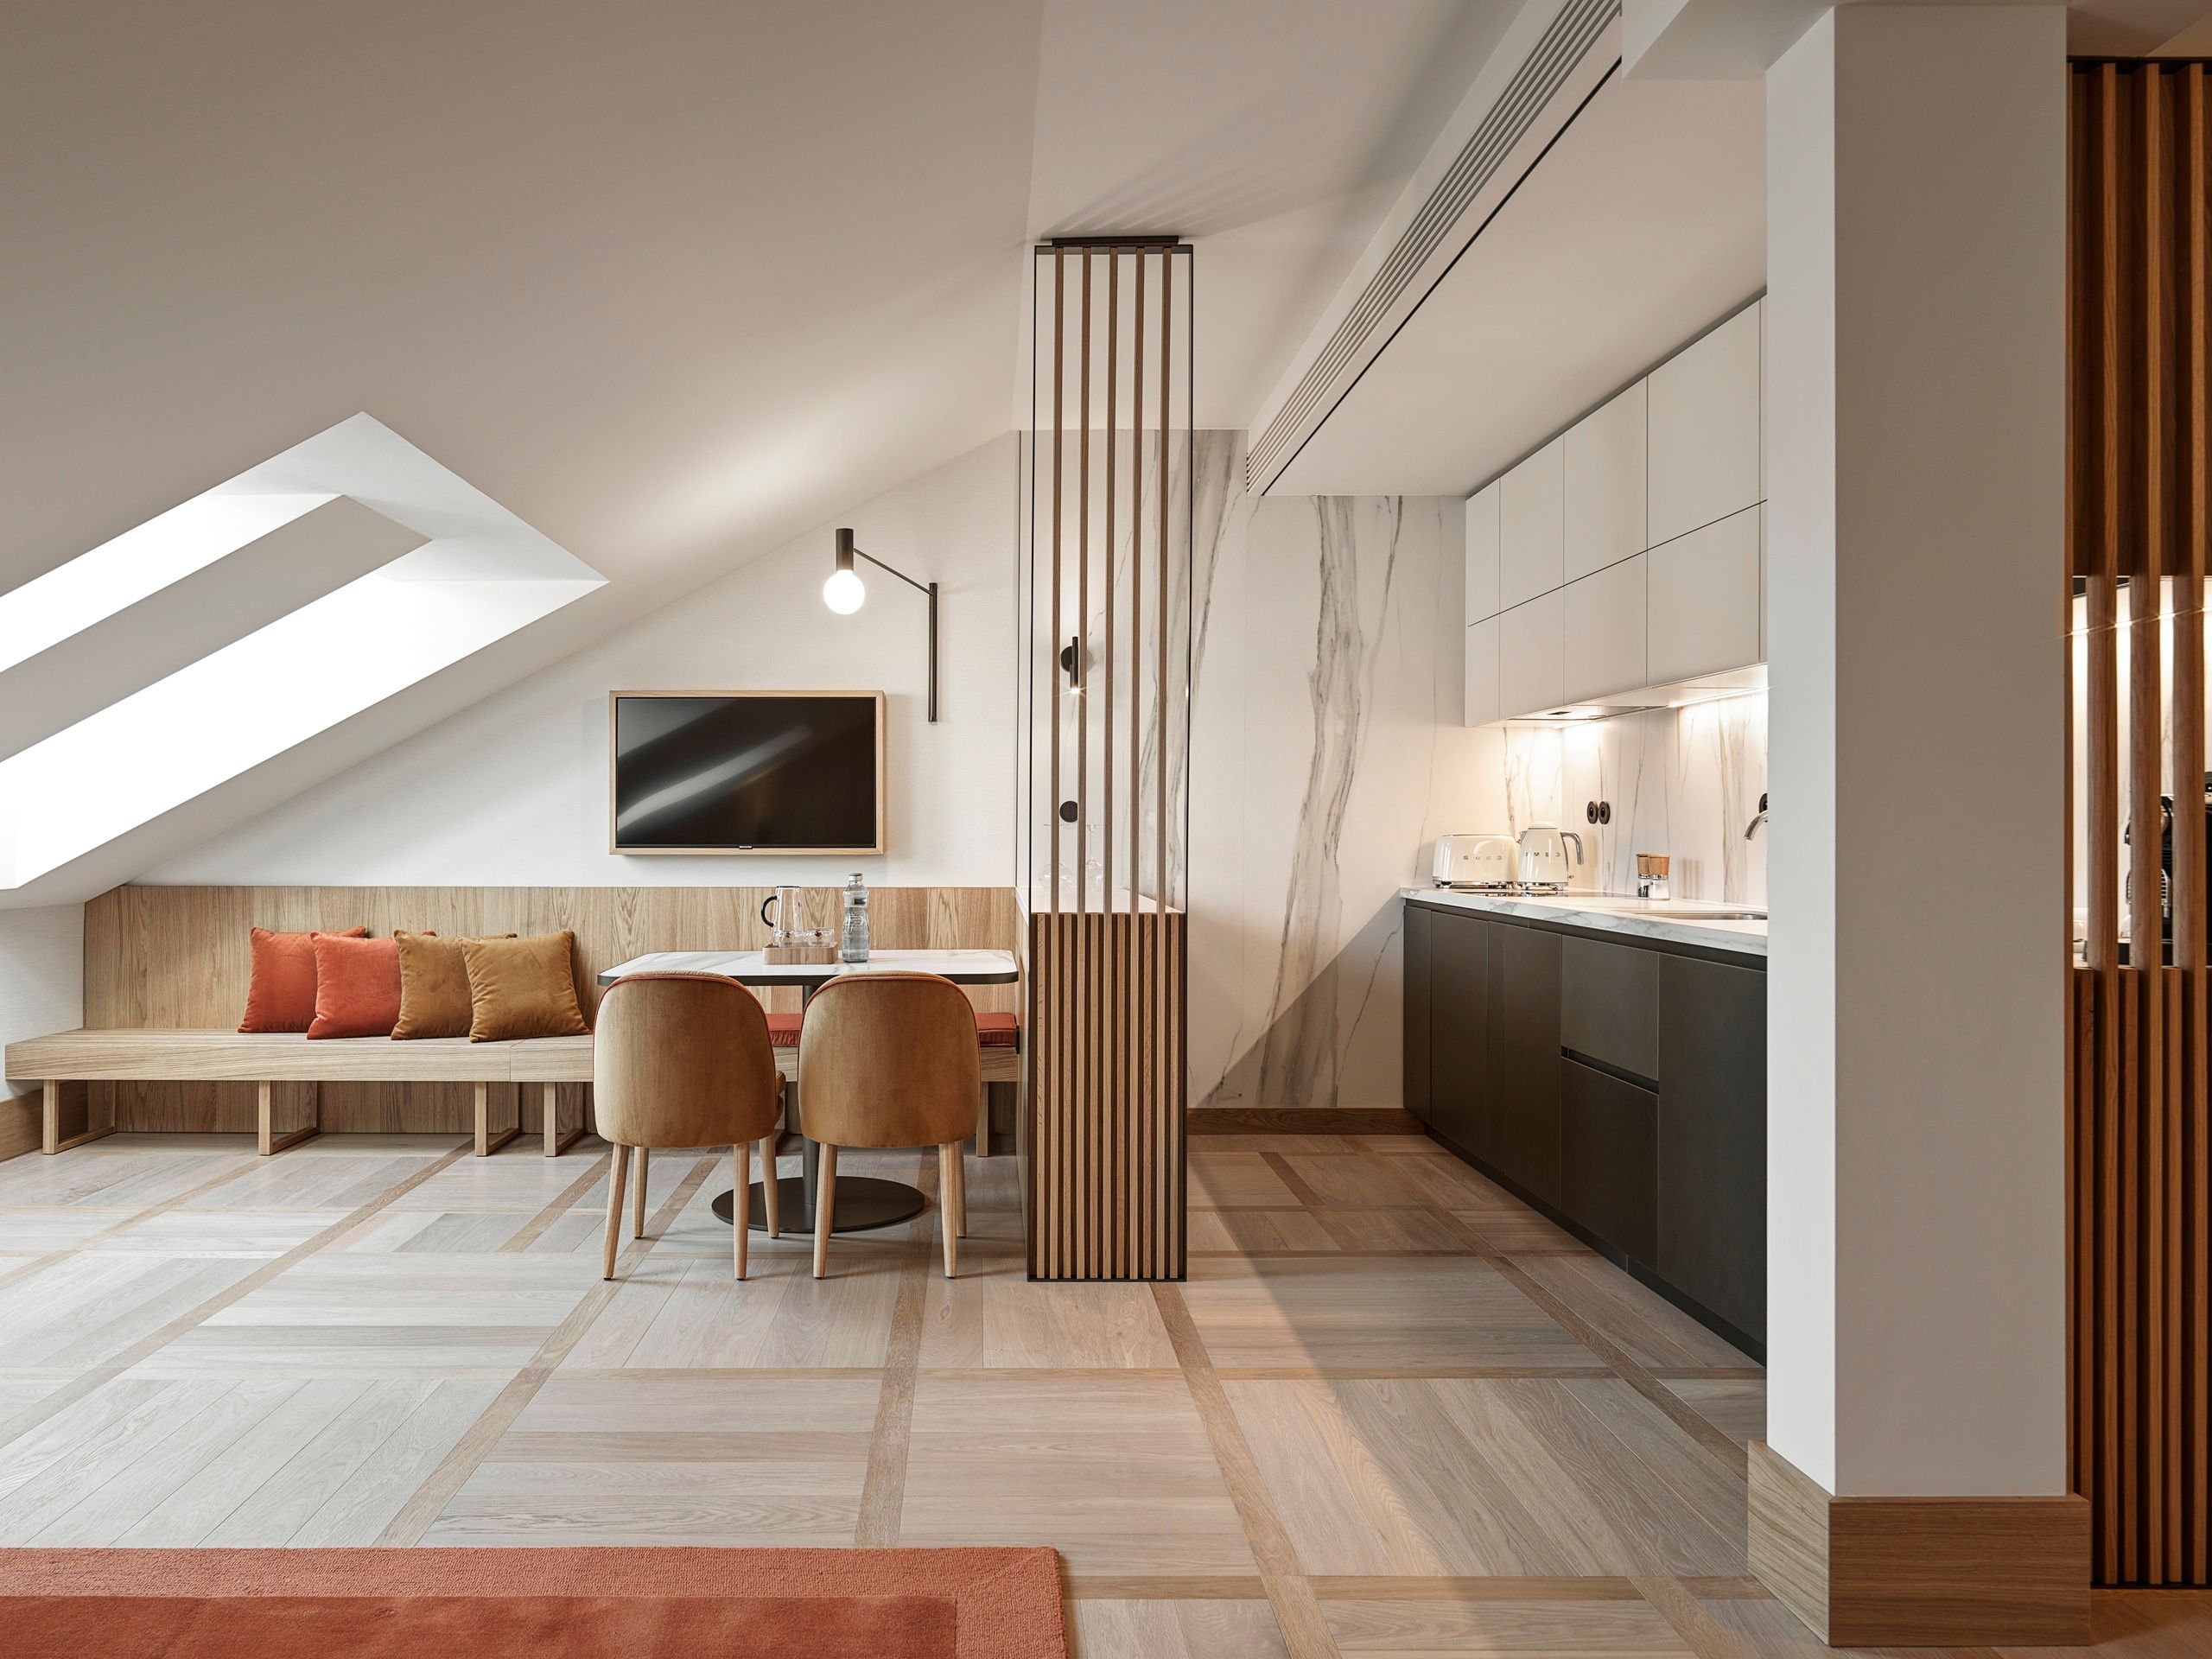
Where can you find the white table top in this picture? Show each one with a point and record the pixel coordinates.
(752, 967)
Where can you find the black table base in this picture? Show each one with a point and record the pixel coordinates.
(864, 1202)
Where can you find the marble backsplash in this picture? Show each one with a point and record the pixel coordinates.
(1684, 782)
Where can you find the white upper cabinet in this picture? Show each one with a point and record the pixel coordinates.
(1704, 418)
(1531, 526)
(1604, 486)
(1603, 624)
(1531, 675)
(1483, 703)
(1703, 602)
(1482, 552)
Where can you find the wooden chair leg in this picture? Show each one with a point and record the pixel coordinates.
(771, 1198)
(947, 1205)
(826, 1197)
(615, 1172)
(959, 1191)
(740, 1220)
(638, 1195)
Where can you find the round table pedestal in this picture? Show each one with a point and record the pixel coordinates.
(863, 1203)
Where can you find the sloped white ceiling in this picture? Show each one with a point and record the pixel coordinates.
(671, 281)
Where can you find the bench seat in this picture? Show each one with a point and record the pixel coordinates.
(288, 1070)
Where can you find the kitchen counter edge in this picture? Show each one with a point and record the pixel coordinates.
(1574, 913)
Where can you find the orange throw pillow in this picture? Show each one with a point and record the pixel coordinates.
(281, 996)
(523, 988)
(433, 986)
(356, 986)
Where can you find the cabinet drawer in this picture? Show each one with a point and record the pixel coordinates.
(1606, 485)
(1703, 599)
(1608, 1159)
(1530, 527)
(1482, 553)
(1703, 417)
(1602, 630)
(1484, 705)
(1609, 1005)
(1531, 663)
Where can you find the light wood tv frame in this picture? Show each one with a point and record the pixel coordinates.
(882, 799)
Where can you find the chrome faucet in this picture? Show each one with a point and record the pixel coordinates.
(1754, 823)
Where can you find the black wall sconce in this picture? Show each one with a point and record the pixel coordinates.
(844, 593)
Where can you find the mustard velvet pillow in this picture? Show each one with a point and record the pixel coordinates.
(434, 999)
(523, 988)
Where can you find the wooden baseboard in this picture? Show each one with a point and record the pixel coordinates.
(1920, 1572)
(21, 1127)
(1303, 1120)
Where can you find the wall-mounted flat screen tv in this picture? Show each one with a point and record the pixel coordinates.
(748, 772)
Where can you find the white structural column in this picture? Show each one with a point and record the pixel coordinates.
(1915, 433)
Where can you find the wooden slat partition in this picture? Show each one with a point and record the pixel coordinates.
(1107, 580)
(178, 958)
(2140, 447)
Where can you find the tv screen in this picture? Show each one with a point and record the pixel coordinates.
(748, 771)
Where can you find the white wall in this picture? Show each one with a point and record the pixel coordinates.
(1916, 328)
(41, 974)
(513, 791)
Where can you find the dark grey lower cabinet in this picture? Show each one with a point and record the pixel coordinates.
(1608, 1158)
(1713, 1137)
(1419, 924)
(1524, 1058)
(1458, 1043)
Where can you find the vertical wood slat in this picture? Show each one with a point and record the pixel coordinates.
(1106, 1174)
(2140, 447)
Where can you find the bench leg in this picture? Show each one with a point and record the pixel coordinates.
(491, 1137)
(287, 1113)
(560, 1136)
(69, 1118)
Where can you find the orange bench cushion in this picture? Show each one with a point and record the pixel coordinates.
(991, 1030)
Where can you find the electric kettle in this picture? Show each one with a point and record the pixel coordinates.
(1544, 855)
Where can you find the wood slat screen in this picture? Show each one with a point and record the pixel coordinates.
(1105, 715)
(2139, 1246)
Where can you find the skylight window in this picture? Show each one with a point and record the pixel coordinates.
(482, 574)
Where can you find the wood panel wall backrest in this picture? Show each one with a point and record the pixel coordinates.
(179, 958)
(2140, 1050)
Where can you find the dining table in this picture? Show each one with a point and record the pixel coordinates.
(864, 1202)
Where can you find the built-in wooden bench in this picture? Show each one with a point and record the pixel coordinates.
(289, 1071)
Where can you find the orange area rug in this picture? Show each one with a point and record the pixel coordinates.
(532, 1604)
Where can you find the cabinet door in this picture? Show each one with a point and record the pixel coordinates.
(1704, 430)
(1524, 1058)
(1604, 486)
(1482, 552)
(1531, 662)
(1713, 1137)
(1483, 703)
(1703, 599)
(1458, 1042)
(1608, 1160)
(1602, 632)
(1530, 527)
(1418, 924)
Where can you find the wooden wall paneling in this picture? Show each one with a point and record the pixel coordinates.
(179, 958)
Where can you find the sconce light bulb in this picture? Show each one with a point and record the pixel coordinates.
(843, 592)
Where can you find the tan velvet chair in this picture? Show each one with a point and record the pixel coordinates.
(684, 1060)
(890, 1060)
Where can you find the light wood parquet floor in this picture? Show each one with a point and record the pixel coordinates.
(1391, 1412)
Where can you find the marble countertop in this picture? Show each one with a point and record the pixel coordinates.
(1614, 913)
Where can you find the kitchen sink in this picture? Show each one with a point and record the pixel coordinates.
(1686, 913)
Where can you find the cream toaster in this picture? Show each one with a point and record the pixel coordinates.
(1476, 861)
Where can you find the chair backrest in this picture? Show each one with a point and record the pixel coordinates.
(888, 1060)
(682, 1060)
